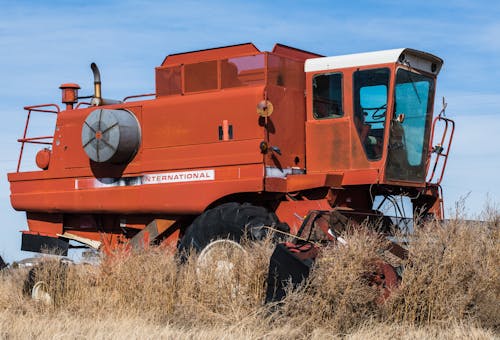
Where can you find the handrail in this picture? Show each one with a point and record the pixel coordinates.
(35, 140)
(139, 96)
(82, 103)
(36, 108)
(442, 149)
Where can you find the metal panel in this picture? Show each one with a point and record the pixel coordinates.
(414, 57)
(40, 243)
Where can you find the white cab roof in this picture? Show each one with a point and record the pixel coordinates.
(416, 59)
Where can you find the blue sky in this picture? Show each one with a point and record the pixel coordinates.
(44, 44)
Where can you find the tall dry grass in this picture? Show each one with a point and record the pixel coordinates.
(453, 274)
(450, 288)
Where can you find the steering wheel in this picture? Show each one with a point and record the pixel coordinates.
(380, 115)
(375, 115)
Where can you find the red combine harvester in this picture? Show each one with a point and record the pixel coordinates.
(235, 140)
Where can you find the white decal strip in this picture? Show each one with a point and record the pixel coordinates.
(159, 178)
(177, 177)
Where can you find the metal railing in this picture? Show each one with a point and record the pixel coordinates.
(441, 150)
(44, 140)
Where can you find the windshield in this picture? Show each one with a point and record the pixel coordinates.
(410, 127)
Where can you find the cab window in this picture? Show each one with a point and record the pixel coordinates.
(327, 96)
(370, 107)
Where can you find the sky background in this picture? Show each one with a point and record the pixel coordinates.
(46, 43)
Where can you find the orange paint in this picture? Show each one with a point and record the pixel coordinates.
(203, 120)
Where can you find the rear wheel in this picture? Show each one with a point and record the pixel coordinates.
(46, 282)
(229, 221)
(216, 235)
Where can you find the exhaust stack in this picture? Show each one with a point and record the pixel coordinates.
(97, 100)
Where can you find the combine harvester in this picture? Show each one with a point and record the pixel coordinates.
(236, 141)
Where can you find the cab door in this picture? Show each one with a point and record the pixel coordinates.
(346, 125)
(328, 126)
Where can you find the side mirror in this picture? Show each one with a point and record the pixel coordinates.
(400, 118)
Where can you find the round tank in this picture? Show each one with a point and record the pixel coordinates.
(111, 136)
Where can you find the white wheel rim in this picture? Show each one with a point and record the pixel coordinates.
(219, 260)
(220, 252)
(40, 293)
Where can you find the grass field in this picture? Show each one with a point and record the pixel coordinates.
(450, 289)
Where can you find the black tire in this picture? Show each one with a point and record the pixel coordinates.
(3, 265)
(232, 221)
(53, 274)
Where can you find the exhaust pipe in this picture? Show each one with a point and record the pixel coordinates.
(97, 100)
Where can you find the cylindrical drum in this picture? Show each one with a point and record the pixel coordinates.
(111, 136)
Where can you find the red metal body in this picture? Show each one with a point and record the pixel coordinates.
(203, 143)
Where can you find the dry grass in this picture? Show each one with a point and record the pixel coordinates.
(450, 289)
(454, 274)
(69, 326)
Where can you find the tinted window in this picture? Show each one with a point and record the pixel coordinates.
(409, 135)
(370, 108)
(327, 96)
